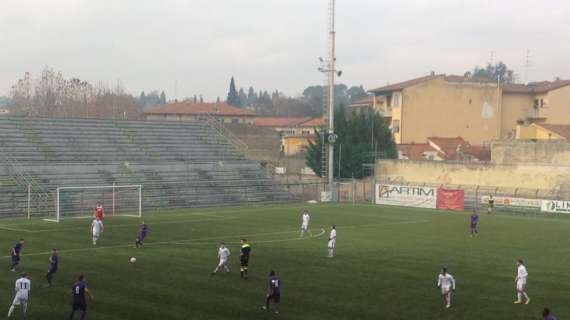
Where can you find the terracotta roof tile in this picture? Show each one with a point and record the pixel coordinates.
(279, 121)
(535, 87)
(221, 108)
(315, 122)
(415, 151)
(560, 129)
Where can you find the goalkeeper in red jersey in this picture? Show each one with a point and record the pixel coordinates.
(99, 211)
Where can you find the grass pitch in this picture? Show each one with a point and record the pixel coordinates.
(386, 264)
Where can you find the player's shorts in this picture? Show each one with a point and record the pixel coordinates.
(141, 237)
(15, 259)
(491, 205)
(275, 297)
(79, 305)
(222, 262)
(473, 225)
(331, 244)
(100, 216)
(96, 234)
(20, 300)
(445, 290)
(52, 270)
(244, 262)
(304, 226)
(521, 284)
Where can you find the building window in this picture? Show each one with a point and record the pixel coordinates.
(396, 99)
(235, 120)
(306, 132)
(396, 126)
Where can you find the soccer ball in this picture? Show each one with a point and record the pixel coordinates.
(133, 260)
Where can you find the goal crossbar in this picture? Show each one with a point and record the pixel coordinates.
(113, 187)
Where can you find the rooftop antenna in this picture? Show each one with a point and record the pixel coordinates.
(175, 90)
(527, 65)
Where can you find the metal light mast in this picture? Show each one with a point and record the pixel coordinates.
(332, 60)
(328, 67)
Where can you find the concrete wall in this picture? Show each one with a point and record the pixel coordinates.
(527, 176)
(540, 152)
(449, 109)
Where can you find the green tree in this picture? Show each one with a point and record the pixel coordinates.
(233, 96)
(356, 93)
(242, 98)
(251, 97)
(493, 72)
(362, 138)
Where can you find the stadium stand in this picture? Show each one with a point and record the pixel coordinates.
(179, 164)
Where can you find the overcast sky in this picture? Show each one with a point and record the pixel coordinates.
(274, 44)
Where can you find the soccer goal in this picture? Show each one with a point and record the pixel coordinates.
(81, 202)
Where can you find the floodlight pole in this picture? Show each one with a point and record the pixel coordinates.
(332, 58)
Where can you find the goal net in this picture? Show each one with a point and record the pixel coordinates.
(80, 202)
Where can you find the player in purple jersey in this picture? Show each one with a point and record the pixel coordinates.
(274, 292)
(53, 265)
(474, 221)
(79, 290)
(15, 253)
(547, 315)
(143, 232)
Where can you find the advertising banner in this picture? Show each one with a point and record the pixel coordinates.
(555, 206)
(448, 199)
(511, 203)
(407, 196)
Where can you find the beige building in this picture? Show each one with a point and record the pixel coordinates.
(188, 111)
(295, 132)
(477, 110)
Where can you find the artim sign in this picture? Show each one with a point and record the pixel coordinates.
(407, 196)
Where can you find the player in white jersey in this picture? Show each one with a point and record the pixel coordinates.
(96, 229)
(446, 283)
(520, 280)
(332, 241)
(306, 218)
(223, 254)
(23, 287)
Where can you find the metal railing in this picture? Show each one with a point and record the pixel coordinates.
(222, 130)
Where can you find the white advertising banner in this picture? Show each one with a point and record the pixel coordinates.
(407, 196)
(326, 196)
(514, 203)
(555, 206)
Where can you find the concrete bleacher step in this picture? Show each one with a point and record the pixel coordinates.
(179, 164)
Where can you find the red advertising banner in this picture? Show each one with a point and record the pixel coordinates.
(450, 199)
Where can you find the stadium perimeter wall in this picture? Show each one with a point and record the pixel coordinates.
(528, 176)
(534, 152)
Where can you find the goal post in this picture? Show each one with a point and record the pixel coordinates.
(80, 202)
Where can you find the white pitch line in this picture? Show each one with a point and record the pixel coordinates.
(114, 226)
(384, 224)
(16, 230)
(270, 241)
(186, 242)
(189, 241)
